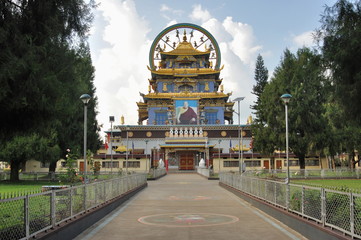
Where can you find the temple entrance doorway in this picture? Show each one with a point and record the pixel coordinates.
(186, 161)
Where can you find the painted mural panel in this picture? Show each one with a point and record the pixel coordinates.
(186, 111)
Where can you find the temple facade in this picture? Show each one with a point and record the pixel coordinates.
(185, 119)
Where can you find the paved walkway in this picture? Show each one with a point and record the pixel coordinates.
(187, 206)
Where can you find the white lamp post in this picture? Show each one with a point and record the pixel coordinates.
(146, 158)
(240, 144)
(286, 99)
(219, 156)
(111, 120)
(85, 98)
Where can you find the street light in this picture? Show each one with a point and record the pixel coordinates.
(240, 152)
(219, 156)
(146, 158)
(85, 98)
(126, 153)
(286, 99)
(111, 120)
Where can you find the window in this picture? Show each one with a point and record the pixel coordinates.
(292, 163)
(63, 164)
(312, 162)
(131, 164)
(211, 117)
(230, 164)
(253, 163)
(185, 88)
(160, 118)
(44, 165)
(108, 164)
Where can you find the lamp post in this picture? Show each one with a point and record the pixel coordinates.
(219, 156)
(286, 99)
(240, 152)
(85, 99)
(126, 154)
(146, 158)
(111, 120)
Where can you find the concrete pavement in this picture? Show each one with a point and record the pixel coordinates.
(187, 206)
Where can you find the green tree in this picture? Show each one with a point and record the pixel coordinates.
(263, 141)
(302, 76)
(261, 77)
(45, 66)
(340, 35)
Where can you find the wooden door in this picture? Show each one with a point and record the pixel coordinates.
(186, 161)
(278, 164)
(266, 164)
(81, 167)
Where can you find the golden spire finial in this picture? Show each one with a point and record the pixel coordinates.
(122, 120)
(185, 36)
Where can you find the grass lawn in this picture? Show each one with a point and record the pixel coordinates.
(24, 186)
(354, 184)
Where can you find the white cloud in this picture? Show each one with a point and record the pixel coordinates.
(164, 8)
(198, 14)
(120, 60)
(239, 52)
(303, 40)
(242, 43)
(120, 57)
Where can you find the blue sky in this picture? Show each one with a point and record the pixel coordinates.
(123, 31)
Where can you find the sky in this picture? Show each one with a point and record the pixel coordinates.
(123, 31)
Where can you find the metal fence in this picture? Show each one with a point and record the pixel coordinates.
(308, 173)
(156, 173)
(56, 176)
(24, 217)
(335, 209)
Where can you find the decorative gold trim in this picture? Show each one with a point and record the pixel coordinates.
(223, 133)
(130, 134)
(149, 134)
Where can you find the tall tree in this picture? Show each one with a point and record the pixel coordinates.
(300, 75)
(340, 35)
(40, 40)
(261, 78)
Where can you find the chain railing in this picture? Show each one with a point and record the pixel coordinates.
(24, 217)
(334, 209)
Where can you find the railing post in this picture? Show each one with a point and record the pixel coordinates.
(52, 208)
(275, 193)
(352, 215)
(288, 197)
(26, 216)
(323, 206)
(104, 192)
(71, 201)
(303, 200)
(84, 196)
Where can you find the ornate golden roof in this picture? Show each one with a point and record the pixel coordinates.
(188, 95)
(185, 48)
(186, 72)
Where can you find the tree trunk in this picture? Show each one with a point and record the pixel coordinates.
(352, 160)
(301, 159)
(14, 171)
(52, 166)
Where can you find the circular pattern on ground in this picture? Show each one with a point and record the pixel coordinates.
(188, 219)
